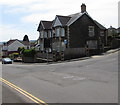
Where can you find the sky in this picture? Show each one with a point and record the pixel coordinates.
(22, 17)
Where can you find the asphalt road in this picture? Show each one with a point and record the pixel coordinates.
(94, 80)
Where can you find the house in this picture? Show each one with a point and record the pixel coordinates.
(11, 46)
(45, 35)
(118, 31)
(111, 33)
(72, 36)
(1, 51)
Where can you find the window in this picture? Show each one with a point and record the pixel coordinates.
(49, 34)
(41, 34)
(62, 32)
(45, 34)
(63, 46)
(101, 33)
(92, 44)
(42, 45)
(57, 32)
(91, 31)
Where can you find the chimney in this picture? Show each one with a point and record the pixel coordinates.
(83, 8)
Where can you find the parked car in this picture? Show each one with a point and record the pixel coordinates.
(6, 61)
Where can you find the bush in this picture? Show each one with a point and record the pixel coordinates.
(29, 52)
(14, 55)
(20, 49)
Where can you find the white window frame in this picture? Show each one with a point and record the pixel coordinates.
(91, 31)
(92, 44)
(57, 31)
(42, 45)
(45, 34)
(101, 33)
(62, 32)
(49, 34)
(41, 34)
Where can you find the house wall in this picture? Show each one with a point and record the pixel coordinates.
(70, 53)
(79, 31)
(14, 46)
(0, 51)
(57, 22)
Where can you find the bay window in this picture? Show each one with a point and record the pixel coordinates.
(49, 34)
(57, 32)
(45, 34)
(62, 32)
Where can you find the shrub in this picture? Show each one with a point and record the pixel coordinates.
(20, 49)
(29, 52)
(14, 55)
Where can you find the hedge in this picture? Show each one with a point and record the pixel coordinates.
(29, 52)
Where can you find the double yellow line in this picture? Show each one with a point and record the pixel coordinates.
(25, 93)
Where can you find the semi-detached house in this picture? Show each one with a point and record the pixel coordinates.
(71, 36)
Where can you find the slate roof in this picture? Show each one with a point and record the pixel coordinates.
(64, 19)
(13, 40)
(74, 17)
(10, 41)
(45, 25)
(68, 20)
(26, 43)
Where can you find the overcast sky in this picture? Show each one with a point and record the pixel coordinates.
(20, 17)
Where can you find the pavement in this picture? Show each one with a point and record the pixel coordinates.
(77, 59)
(84, 58)
(112, 51)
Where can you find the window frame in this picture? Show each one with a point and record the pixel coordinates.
(62, 32)
(91, 30)
(102, 33)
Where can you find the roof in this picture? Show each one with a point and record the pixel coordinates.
(26, 43)
(68, 20)
(11, 41)
(64, 19)
(74, 17)
(45, 25)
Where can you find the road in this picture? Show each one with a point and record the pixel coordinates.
(94, 80)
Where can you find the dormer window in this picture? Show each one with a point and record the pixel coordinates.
(91, 31)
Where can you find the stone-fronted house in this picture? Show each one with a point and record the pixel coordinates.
(118, 31)
(1, 51)
(73, 34)
(45, 35)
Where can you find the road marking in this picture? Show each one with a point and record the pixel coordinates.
(25, 93)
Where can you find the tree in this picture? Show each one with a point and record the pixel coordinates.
(26, 38)
(20, 49)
